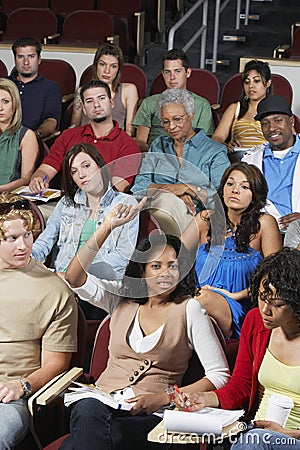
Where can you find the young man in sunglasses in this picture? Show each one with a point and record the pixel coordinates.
(38, 321)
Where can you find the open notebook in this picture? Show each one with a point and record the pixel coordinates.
(45, 196)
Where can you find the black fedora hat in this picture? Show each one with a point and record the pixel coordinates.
(273, 104)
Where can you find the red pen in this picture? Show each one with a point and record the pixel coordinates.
(187, 409)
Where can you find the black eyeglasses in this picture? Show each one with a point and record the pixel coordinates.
(19, 204)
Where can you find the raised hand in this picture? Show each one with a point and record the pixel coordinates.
(122, 213)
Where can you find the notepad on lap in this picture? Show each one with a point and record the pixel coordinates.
(87, 391)
(47, 195)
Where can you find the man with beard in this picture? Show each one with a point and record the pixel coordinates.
(40, 98)
(279, 159)
(118, 150)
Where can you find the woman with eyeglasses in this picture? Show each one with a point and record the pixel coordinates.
(107, 67)
(268, 360)
(181, 170)
(18, 144)
(232, 239)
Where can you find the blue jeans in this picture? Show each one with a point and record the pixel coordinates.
(96, 426)
(265, 440)
(14, 421)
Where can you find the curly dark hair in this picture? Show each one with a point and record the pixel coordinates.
(281, 270)
(264, 71)
(68, 184)
(249, 225)
(134, 287)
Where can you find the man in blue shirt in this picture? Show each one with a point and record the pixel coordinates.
(279, 159)
(40, 98)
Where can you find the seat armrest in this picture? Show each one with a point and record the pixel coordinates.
(114, 39)
(161, 12)
(180, 5)
(51, 39)
(140, 32)
(57, 386)
(49, 392)
(67, 97)
(281, 51)
(51, 136)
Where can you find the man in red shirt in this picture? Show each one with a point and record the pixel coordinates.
(118, 150)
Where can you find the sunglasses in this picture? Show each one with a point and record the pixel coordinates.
(19, 204)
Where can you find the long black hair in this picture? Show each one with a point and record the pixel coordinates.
(249, 225)
(264, 71)
(134, 287)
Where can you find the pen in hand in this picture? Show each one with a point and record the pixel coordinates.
(44, 181)
(181, 398)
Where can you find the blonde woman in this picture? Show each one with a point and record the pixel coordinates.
(18, 145)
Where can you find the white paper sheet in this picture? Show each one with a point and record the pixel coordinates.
(207, 420)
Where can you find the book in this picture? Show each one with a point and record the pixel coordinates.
(91, 391)
(163, 436)
(45, 196)
(206, 420)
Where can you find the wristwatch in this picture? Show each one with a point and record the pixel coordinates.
(26, 386)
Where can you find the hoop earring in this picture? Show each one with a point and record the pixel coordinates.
(246, 98)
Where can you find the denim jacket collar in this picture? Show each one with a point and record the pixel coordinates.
(81, 197)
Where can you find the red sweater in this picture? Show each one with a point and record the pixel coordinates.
(242, 387)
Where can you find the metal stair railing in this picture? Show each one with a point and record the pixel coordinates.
(201, 32)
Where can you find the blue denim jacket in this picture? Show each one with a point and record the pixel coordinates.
(64, 228)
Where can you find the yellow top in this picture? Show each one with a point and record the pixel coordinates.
(247, 132)
(278, 378)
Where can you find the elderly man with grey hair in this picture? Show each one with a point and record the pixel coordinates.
(182, 170)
